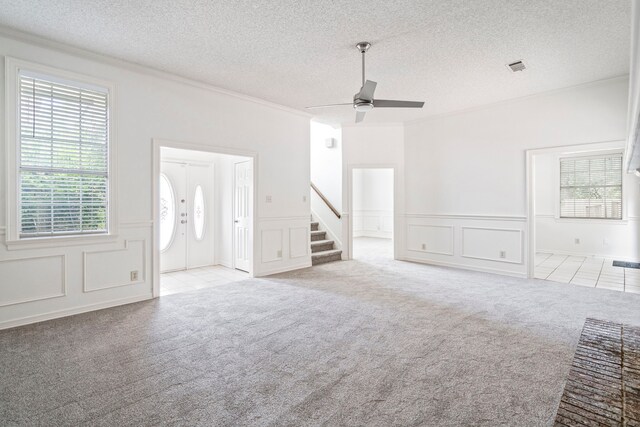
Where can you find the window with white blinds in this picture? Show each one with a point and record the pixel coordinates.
(591, 187)
(63, 181)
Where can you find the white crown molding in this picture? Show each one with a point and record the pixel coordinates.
(110, 60)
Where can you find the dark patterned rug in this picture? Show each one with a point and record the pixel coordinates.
(603, 387)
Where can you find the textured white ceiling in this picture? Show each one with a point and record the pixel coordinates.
(451, 54)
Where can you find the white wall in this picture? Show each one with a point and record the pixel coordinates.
(373, 203)
(373, 145)
(606, 238)
(76, 278)
(466, 172)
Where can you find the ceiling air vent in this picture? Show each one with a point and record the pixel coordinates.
(517, 66)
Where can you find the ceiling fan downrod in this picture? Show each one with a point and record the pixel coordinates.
(363, 47)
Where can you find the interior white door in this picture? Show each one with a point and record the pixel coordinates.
(173, 216)
(243, 211)
(199, 215)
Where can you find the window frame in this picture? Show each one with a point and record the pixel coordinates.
(13, 69)
(594, 155)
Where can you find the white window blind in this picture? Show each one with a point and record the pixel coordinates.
(63, 162)
(591, 187)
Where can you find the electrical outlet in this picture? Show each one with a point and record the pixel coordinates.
(268, 199)
(503, 254)
(279, 254)
(134, 275)
(424, 246)
(577, 241)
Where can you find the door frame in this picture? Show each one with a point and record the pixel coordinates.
(157, 144)
(349, 222)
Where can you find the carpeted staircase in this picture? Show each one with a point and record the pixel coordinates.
(322, 249)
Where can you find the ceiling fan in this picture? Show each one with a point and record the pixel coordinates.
(364, 101)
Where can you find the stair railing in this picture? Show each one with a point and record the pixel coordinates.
(325, 200)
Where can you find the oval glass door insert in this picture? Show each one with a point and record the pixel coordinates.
(167, 212)
(198, 213)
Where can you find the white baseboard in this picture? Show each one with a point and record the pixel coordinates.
(284, 269)
(466, 267)
(72, 311)
(375, 234)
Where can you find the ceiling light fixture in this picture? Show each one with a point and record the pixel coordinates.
(363, 106)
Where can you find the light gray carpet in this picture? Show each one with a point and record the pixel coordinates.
(368, 342)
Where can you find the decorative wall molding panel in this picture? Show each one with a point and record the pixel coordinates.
(272, 244)
(299, 241)
(434, 239)
(493, 244)
(98, 271)
(473, 242)
(283, 243)
(373, 224)
(32, 279)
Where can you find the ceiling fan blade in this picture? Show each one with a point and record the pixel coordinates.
(387, 103)
(367, 90)
(328, 105)
(359, 116)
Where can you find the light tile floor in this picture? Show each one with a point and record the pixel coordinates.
(198, 278)
(587, 271)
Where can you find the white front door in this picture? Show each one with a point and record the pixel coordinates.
(243, 208)
(186, 216)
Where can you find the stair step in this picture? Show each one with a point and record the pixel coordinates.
(326, 256)
(318, 235)
(314, 226)
(321, 245)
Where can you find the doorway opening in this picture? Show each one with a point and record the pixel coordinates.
(205, 216)
(581, 210)
(372, 210)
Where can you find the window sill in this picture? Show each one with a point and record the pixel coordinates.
(52, 242)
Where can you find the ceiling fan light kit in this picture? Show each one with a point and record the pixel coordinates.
(364, 101)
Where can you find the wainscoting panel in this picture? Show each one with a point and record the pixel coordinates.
(493, 244)
(475, 242)
(373, 224)
(32, 279)
(272, 243)
(299, 241)
(435, 239)
(284, 244)
(99, 273)
(38, 284)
